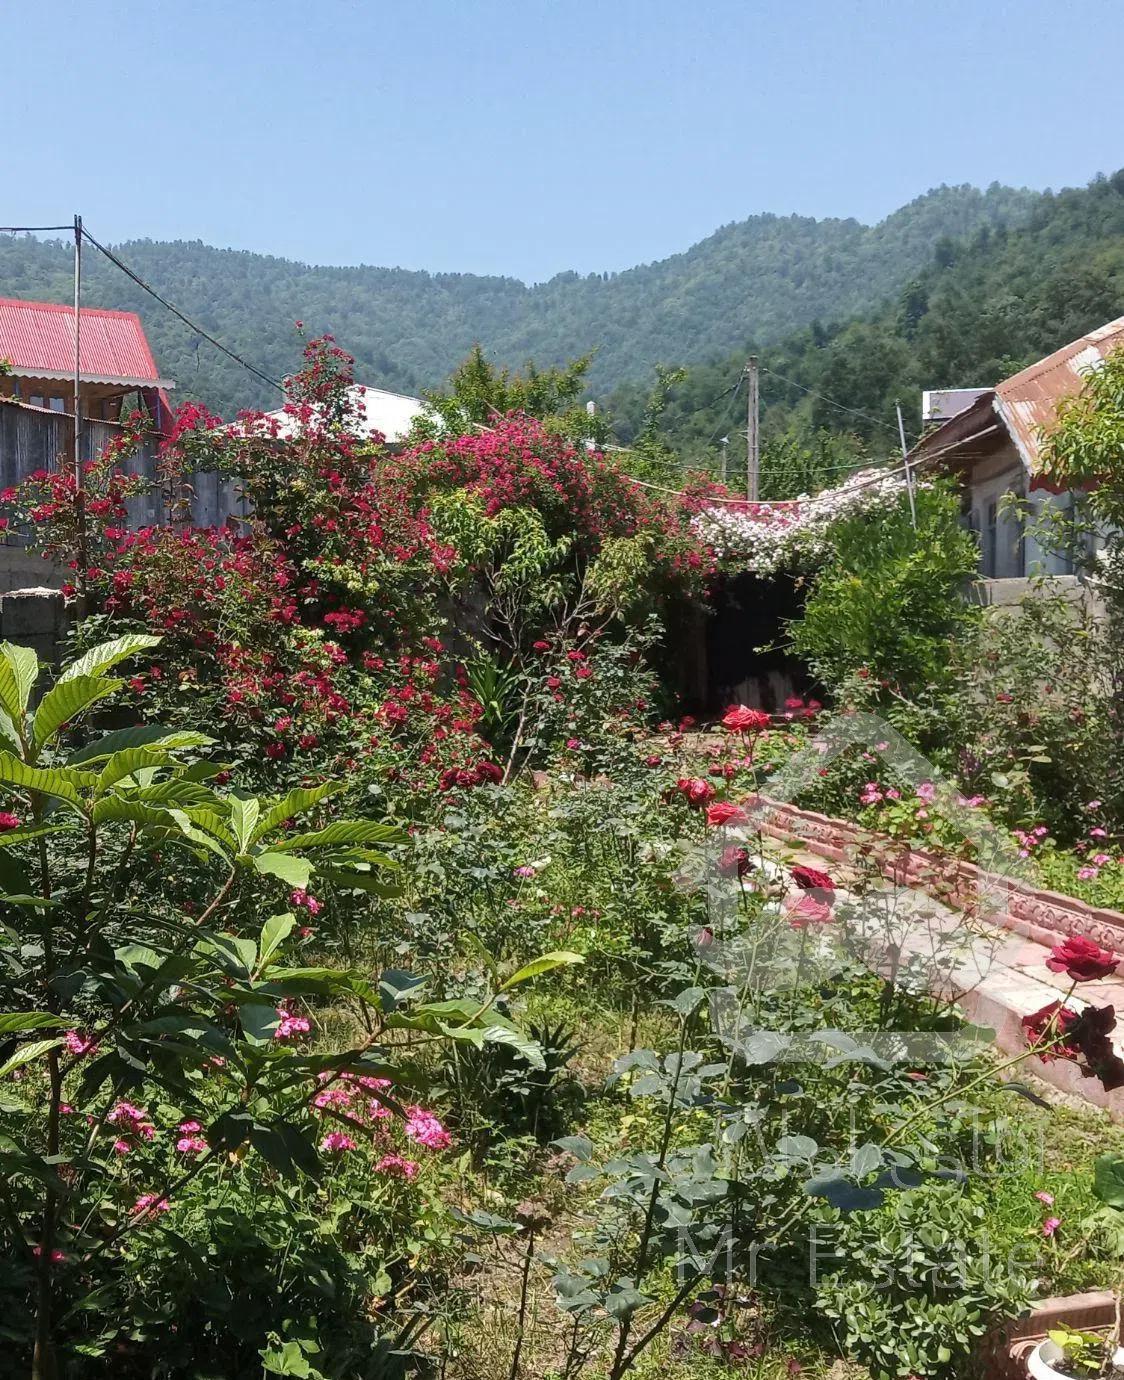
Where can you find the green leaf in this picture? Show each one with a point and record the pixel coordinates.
(98, 660)
(120, 809)
(26, 1053)
(544, 964)
(342, 832)
(197, 835)
(19, 670)
(295, 872)
(125, 763)
(234, 955)
(273, 934)
(8, 733)
(297, 802)
(1108, 1179)
(66, 701)
(11, 837)
(143, 735)
(61, 782)
(28, 1020)
(244, 814)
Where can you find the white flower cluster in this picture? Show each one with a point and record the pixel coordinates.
(766, 537)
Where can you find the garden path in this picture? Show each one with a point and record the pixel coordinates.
(995, 975)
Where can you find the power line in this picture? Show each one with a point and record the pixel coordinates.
(875, 478)
(124, 267)
(854, 411)
(31, 229)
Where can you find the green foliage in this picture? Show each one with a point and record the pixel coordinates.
(889, 601)
(913, 1287)
(974, 311)
(408, 330)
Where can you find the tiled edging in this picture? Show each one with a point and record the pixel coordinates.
(1039, 915)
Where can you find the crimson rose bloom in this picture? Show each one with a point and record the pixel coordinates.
(724, 812)
(1052, 1022)
(806, 910)
(817, 883)
(1081, 960)
(697, 791)
(733, 861)
(739, 718)
(1082, 1037)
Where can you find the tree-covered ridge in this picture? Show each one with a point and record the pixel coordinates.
(984, 307)
(760, 278)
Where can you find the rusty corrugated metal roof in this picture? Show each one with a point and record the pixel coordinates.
(37, 340)
(1028, 401)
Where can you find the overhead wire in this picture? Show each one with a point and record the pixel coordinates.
(912, 466)
(812, 392)
(136, 278)
(31, 229)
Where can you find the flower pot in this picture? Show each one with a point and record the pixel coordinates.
(1041, 1364)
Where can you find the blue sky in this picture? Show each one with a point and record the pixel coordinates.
(536, 136)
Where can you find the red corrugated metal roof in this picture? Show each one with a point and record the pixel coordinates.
(37, 338)
(1028, 401)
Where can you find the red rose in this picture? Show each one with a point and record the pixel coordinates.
(541, 646)
(739, 718)
(697, 791)
(734, 861)
(1081, 960)
(816, 883)
(724, 812)
(806, 910)
(8, 821)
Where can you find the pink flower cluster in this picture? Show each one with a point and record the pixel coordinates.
(290, 1024)
(132, 1126)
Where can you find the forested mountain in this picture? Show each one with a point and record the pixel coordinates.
(759, 278)
(983, 307)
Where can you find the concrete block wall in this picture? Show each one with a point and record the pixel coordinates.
(35, 618)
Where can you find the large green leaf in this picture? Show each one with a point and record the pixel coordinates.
(27, 1053)
(292, 871)
(273, 934)
(142, 735)
(342, 832)
(8, 735)
(127, 763)
(202, 837)
(545, 963)
(244, 815)
(297, 802)
(98, 660)
(19, 670)
(1108, 1179)
(28, 1020)
(122, 809)
(66, 701)
(62, 782)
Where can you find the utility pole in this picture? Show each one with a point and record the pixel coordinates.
(908, 470)
(724, 443)
(79, 473)
(752, 433)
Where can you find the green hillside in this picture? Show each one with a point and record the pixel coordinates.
(982, 308)
(761, 278)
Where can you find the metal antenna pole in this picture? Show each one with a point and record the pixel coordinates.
(908, 468)
(79, 473)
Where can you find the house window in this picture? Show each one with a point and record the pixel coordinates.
(57, 404)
